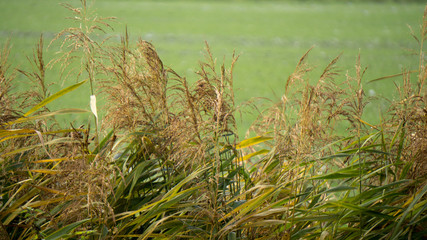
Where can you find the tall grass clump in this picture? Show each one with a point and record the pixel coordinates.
(162, 159)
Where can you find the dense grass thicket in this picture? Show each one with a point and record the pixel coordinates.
(163, 160)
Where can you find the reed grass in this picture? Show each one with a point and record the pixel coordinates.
(166, 162)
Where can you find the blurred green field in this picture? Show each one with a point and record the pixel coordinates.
(269, 36)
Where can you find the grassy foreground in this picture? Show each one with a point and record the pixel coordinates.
(165, 162)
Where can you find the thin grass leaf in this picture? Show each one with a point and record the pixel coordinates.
(5, 209)
(167, 197)
(47, 115)
(303, 232)
(63, 232)
(271, 211)
(50, 190)
(348, 173)
(355, 143)
(103, 143)
(249, 205)
(11, 132)
(54, 96)
(419, 208)
(45, 171)
(24, 149)
(177, 187)
(136, 174)
(160, 207)
(320, 217)
(340, 188)
(55, 200)
(17, 133)
(149, 231)
(406, 169)
(257, 153)
(264, 223)
(396, 134)
(51, 160)
(18, 204)
(360, 209)
(339, 155)
(408, 210)
(391, 76)
(364, 122)
(382, 192)
(252, 141)
(16, 211)
(401, 142)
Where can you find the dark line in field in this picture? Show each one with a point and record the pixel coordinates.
(234, 41)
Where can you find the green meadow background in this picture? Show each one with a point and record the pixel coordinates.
(269, 36)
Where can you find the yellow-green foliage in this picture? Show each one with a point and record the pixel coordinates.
(165, 162)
